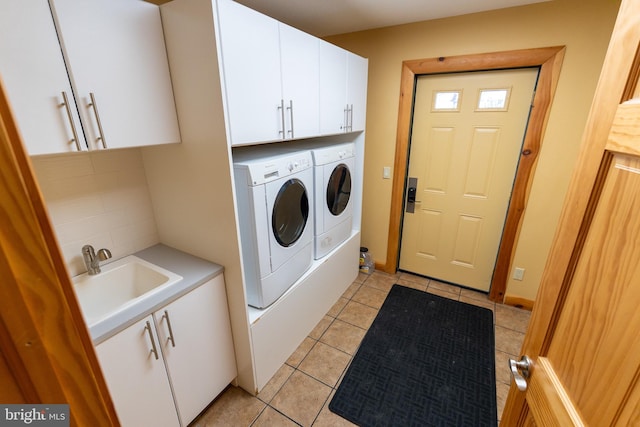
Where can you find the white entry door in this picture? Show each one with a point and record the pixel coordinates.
(466, 138)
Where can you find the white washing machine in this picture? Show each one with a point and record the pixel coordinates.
(333, 169)
(275, 210)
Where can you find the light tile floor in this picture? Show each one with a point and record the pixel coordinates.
(300, 392)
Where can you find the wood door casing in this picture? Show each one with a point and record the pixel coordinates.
(549, 60)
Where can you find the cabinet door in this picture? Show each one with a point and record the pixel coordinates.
(333, 84)
(137, 380)
(115, 50)
(195, 336)
(299, 56)
(357, 71)
(250, 51)
(34, 76)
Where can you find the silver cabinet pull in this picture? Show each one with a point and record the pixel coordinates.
(73, 126)
(166, 316)
(95, 111)
(153, 350)
(345, 119)
(290, 108)
(281, 109)
(350, 117)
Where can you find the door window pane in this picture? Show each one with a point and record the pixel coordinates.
(446, 100)
(493, 100)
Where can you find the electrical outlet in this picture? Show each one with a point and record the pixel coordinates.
(518, 273)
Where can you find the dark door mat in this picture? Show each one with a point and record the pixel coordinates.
(425, 361)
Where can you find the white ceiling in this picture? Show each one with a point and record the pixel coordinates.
(329, 17)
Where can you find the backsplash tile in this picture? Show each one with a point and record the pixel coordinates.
(98, 198)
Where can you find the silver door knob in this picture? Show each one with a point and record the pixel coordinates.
(520, 370)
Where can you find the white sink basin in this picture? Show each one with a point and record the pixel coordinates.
(120, 285)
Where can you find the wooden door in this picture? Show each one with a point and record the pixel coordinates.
(46, 354)
(468, 130)
(583, 336)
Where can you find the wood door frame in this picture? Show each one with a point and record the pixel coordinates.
(549, 59)
(46, 353)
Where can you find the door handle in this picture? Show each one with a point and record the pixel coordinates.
(153, 350)
(73, 126)
(412, 189)
(166, 317)
(98, 122)
(281, 110)
(411, 195)
(290, 108)
(520, 370)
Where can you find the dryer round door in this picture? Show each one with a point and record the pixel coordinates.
(337, 205)
(290, 212)
(338, 189)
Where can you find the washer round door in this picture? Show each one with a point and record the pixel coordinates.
(290, 212)
(338, 189)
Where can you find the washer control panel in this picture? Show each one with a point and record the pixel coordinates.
(269, 169)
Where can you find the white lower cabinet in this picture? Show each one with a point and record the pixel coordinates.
(166, 368)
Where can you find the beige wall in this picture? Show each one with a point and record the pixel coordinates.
(583, 26)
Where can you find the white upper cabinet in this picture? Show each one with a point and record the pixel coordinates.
(343, 98)
(117, 63)
(357, 72)
(299, 56)
(250, 50)
(34, 75)
(270, 74)
(333, 80)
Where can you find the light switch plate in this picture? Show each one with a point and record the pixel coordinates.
(386, 172)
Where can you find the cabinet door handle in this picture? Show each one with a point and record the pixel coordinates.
(166, 316)
(154, 350)
(95, 111)
(290, 108)
(351, 118)
(345, 119)
(73, 126)
(281, 109)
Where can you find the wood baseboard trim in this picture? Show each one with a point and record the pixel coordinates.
(518, 302)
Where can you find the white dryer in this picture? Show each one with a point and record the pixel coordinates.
(275, 210)
(333, 173)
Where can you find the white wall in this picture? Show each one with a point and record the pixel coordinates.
(98, 198)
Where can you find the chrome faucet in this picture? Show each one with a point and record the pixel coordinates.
(92, 261)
